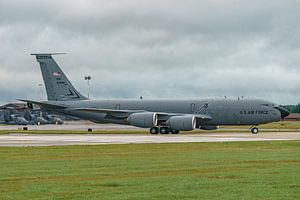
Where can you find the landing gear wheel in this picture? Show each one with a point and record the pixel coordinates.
(154, 130)
(173, 131)
(164, 130)
(254, 130)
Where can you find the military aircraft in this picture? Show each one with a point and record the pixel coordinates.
(52, 119)
(161, 116)
(35, 119)
(13, 119)
(12, 114)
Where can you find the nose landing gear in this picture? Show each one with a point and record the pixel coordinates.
(254, 130)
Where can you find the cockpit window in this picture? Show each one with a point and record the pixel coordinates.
(269, 105)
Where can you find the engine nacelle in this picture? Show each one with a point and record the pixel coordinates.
(143, 119)
(182, 123)
(209, 127)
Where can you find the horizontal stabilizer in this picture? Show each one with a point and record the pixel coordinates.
(43, 104)
(46, 54)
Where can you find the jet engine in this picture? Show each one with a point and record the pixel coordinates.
(182, 123)
(209, 127)
(143, 119)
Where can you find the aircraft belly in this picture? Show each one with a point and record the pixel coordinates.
(87, 115)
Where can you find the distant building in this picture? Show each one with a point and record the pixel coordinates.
(1, 116)
(14, 106)
(292, 117)
(21, 110)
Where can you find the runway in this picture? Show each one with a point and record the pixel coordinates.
(72, 125)
(23, 140)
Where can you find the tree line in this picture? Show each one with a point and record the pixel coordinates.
(293, 108)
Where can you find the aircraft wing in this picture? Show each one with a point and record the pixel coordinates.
(125, 113)
(109, 112)
(199, 117)
(202, 117)
(119, 114)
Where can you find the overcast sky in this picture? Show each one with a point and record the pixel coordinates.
(154, 48)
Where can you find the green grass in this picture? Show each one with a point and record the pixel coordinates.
(238, 170)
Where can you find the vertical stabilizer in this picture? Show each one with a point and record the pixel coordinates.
(58, 86)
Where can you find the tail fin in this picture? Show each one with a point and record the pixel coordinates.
(58, 86)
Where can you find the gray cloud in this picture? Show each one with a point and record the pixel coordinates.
(158, 49)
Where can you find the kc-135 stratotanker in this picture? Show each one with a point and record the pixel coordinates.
(160, 116)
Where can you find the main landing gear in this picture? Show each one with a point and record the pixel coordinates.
(163, 130)
(154, 130)
(254, 130)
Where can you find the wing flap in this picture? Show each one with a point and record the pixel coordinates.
(197, 116)
(125, 113)
(109, 112)
(203, 117)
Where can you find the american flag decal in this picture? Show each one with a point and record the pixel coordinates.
(56, 74)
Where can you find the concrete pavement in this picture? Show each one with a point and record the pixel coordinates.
(93, 139)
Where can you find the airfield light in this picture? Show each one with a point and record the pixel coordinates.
(41, 90)
(88, 79)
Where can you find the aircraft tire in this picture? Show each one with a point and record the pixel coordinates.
(164, 130)
(254, 130)
(173, 131)
(154, 130)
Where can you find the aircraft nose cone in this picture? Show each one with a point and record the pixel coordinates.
(284, 112)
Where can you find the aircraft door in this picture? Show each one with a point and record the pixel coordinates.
(118, 107)
(192, 107)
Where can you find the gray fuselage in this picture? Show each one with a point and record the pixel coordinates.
(222, 111)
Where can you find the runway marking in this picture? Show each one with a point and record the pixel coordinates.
(63, 139)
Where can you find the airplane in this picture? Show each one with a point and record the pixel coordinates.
(35, 119)
(52, 119)
(13, 119)
(160, 116)
(16, 120)
(41, 118)
(11, 115)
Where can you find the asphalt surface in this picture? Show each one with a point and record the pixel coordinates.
(75, 125)
(93, 139)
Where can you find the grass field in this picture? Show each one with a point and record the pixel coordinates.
(238, 170)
